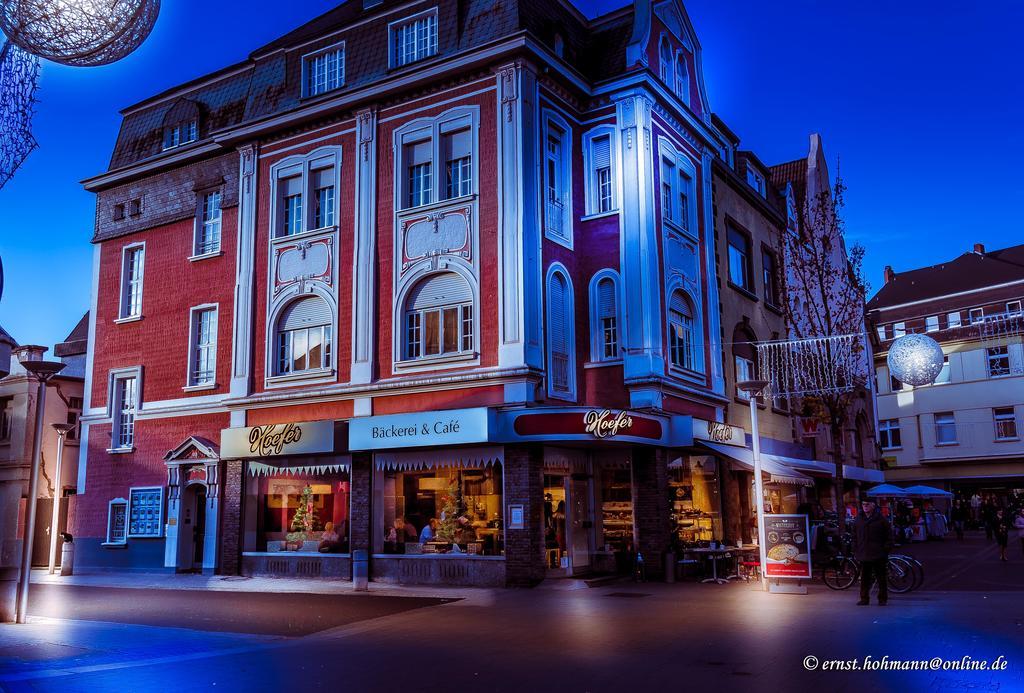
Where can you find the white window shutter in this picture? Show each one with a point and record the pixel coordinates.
(557, 318)
(306, 312)
(606, 299)
(445, 289)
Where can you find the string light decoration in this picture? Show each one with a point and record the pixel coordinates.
(19, 79)
(915, 359)
(813, 366)
(80, 33)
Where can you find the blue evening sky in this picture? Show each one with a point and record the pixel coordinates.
(920, 102)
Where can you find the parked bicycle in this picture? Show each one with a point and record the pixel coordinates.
(905, 573)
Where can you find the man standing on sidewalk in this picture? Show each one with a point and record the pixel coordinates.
(872, 540)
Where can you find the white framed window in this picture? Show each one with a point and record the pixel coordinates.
(605, 344)
(676, 186)
(438, 317)
(324, 70)
(132, 272)
(976, 315)
(601, 171)
(560, 334)
(202, 369)
(931, 323)
(881, 332)
(208, 224)
(682, 78)
(145, 512)
(180, 134)
(665, 60)
(124, 404)
(945, 428)
(305, 192)
(117, 521)
(744, 371)
(998, 361)
(413, 38)
(952, 320)
(557, 180)
(437, 160)
(682, 343)
(303, 337)
(1013, 308)
(889, 434)
(899, 329)
(1005, 422)
(756, 180)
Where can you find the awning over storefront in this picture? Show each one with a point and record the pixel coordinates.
(455, 458)
(812, 467)
(873, 476)
(778, 472)
(339, 463)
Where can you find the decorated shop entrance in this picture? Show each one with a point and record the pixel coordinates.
(193, 506)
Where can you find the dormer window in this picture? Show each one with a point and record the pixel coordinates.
(755, 180)
(324, 71)
(414, 38)
(180, 134)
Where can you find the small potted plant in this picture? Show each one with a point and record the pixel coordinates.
(294, 540)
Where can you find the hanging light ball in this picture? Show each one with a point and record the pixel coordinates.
(915, 359)
(81, 33)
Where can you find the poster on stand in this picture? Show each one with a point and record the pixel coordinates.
(787, 546)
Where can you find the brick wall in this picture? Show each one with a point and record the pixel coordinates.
(361, 478)
(524, 485)
(232, 494)
(650, 501)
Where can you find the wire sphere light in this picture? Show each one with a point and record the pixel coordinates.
(82, 33)
(915, 359)
(19, 78)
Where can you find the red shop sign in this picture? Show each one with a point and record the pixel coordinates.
(600, 424)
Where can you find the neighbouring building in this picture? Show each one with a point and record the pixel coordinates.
(441, 276)
(18, 402)
(961, 433)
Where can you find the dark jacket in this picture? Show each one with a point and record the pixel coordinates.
(872, 537)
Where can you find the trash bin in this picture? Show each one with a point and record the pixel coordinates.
(67, 554)
(360, 570)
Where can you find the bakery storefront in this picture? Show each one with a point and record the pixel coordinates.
(296, 504)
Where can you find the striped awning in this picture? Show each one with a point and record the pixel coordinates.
(777, 471)
(454, 458)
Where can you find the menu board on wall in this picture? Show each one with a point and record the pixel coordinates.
(787, 546)
(145, 512)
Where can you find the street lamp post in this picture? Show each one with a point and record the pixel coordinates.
(753, 388)
(43, 371)
(62, 431)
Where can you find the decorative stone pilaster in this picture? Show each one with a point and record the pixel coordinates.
(242, 325)
(364, 261)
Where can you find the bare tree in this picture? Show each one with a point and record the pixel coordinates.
(825, 292)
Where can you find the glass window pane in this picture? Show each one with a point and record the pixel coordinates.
(451, 330)
(299, 346)
(432, 332)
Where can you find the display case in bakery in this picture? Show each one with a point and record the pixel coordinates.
(695, 499)
(616, 510)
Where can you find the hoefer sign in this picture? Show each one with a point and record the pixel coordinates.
(604, 424)
(277, 439)
(718, 432)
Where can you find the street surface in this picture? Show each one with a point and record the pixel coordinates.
(559, 637)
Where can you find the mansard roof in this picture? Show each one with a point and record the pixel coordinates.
(267, 82)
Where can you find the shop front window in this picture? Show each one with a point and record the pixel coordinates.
(616, 510)
(695, 500)
(307, 513)
(442, 511)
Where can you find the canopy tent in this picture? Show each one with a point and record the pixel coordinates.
(777, 472)
(927, 491)
(887, 490)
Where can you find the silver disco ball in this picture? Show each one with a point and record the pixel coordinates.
(915, 359)
(82, 33)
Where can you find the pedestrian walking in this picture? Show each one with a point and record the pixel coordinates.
(988, 516)
(1001, 531)
(872, 541)
(959, 517)
(1018, 522)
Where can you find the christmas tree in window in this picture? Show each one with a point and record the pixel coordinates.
(304, 519)
(451, 509)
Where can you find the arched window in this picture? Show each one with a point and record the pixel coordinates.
(304, 336)
(561, 348)
(744, 354)
(682, 344)
(682, 85)
(665, 61)
(439, 317)
(604, 316)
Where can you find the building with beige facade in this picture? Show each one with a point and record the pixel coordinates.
(961, 433)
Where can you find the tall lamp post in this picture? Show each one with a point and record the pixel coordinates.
(753, 388)
(58, 492)
(43, 371)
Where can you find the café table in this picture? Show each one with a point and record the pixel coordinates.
(714, 555)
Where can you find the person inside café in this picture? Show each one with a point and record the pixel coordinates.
(330, 542)
(429, 531)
